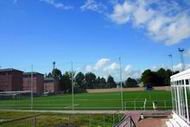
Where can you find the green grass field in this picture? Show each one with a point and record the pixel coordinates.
(93, 101)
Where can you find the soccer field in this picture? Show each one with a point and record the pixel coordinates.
(137, 100)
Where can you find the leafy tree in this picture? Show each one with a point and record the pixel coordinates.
(145, 77)
(158, 78)
(162, 75)
(102, 82)
(149, 77)
(130, 82)
(110, 82)
(49, 75)
(98, 81)
(79, 78)
(118, 84)
(90, 79)
(169, 73)
(56, 73)
(65, 82)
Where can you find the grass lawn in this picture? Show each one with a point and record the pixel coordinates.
(94, 101)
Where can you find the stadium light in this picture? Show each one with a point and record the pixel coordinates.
(182, 59)
(54, 65)
(121, 87)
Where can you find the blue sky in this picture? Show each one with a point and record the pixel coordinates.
(92, 33)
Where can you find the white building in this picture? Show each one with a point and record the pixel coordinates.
(180, 89)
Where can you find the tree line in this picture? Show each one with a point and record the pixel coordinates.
(160, 77)
(83, 81)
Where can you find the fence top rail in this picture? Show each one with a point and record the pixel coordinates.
(13, 92)
(19, 119)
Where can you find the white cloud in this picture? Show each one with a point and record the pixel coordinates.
(93, 6)
(178, 67)
(129, 71)
(128, 68)
(58, 5)
(101, 63)
(112, 67)
(167, 23)
(105, 67)
(88, 68)
(122, 13)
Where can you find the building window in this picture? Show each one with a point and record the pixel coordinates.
(187, 82)
(182, 82)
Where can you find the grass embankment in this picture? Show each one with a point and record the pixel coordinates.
(58, 120)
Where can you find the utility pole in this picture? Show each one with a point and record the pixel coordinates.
(121, 87)
(171, 57)
(32, 99)
(181, 51)
(72, 75)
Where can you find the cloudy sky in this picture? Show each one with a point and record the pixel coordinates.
(94, 34)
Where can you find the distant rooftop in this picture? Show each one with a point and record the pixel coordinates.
(49, 79)
(30, 73)
(9, 70)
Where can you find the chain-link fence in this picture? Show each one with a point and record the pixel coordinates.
(148, 105)
(68, 89)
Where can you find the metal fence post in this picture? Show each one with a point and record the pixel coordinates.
(125, 104)
(113, 119)
(165, 104)
(68, 120)
(89, 121)
(104, 121)
(34, 122)
(134, 105)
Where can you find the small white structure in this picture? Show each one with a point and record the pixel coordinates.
(180, 90)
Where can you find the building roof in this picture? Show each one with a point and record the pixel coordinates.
(9, 70)
(34, 73)
(49, 79)
(182, 75)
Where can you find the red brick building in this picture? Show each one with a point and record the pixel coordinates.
(10, 80)
(51, 85)
(37, 81)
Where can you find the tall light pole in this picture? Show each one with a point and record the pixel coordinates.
(182, 59)
(72, 75)
(171, 57)
(121, 87)
(32, 100)
(54, 65)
